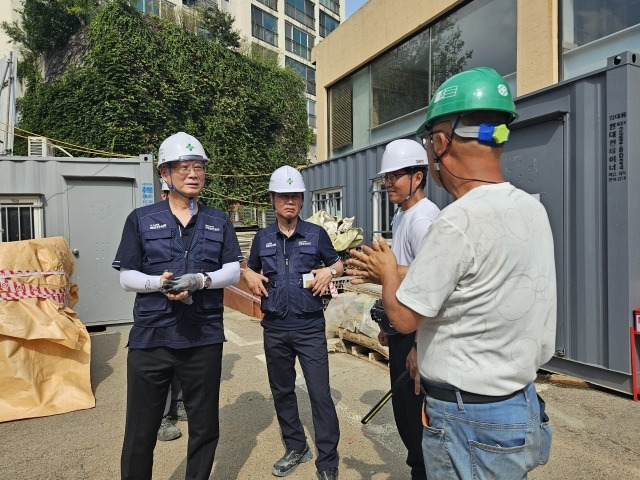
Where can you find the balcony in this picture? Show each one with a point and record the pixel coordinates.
(272, 4)
(200, 3)
(298, 49)
(300, 16)
(331, 5)
(261, 33)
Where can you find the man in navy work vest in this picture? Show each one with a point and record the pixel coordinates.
(177, 255)
(283, 256)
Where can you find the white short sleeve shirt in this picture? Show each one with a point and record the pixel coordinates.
(486, 282)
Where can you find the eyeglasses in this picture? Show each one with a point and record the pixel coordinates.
(184, 170)
(392, 178)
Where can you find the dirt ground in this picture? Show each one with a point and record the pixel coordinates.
(596, 432)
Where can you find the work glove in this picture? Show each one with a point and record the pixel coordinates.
(189, 282)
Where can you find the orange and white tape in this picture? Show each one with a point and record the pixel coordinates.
(333, 290)
(12, 290)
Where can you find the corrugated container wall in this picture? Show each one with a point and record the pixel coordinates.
(576, 146)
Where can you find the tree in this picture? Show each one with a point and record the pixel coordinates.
(218, 27)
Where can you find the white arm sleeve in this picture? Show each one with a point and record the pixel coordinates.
(135, 281)
(229, 274)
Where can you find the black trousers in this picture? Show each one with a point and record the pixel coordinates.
(310, 346)
(149, 374)
(407, 406)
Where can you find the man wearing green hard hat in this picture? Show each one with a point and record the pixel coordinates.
(481, 293)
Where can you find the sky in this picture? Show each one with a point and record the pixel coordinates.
(353, 5)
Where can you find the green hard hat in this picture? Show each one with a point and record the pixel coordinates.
(480, 88)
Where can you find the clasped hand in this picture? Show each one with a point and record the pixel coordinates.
(189, 282)
(371, 264)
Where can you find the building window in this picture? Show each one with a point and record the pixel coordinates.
(162, 8)
(302, 11)
(400, 80)
(593, 30)
(331, 5)
(305, 72)
(311, 112)
(264, 26)
(200, 3)
(585, 21)
(327, 24)
(388, 93)
(272, 4)
(20, 218)
(341, 115)
(383, 210)
(328, 200)
(298, 42)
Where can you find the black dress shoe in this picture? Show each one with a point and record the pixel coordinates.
(331, 474)
(291, 459)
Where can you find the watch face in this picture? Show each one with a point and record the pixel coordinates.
(333, 271)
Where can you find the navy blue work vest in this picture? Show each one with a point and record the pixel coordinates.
(163, 250)
(284, 269)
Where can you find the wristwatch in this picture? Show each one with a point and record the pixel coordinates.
(207, 281)
(334, 272)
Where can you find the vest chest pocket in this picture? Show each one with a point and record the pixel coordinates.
(268, 256)
(212, 247)
(157, 244)
(308, 262)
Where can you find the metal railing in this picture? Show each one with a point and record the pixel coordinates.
(297, 48)
(272, 4)
(331, 5)
(263, 34)
(300, 16)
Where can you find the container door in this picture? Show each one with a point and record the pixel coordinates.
(97, 209)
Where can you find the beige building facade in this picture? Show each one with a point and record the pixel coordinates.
(546, 41)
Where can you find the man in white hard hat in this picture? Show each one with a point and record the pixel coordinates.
(174, 408)
(282, 256)
(177, 256)
(404, 167)
(164, 190)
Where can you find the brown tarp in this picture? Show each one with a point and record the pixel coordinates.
(45, 350)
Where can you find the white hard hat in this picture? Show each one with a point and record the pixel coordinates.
(165, 187)
(403, 154)
(181, 147)
(286, 179)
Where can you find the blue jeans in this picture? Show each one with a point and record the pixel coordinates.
(486, 441)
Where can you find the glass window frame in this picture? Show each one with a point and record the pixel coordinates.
(383, 210)
(297, 41)
(324, 29)
(261, 31)
(306, 72)
(20, 205)
(331, 197)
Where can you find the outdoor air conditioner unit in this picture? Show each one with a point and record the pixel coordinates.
(39, 147)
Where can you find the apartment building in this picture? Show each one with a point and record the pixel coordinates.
(287, 29)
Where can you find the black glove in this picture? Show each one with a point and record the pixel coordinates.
(379, 316)
(189, 282)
